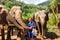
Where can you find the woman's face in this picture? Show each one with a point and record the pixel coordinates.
(30, 19)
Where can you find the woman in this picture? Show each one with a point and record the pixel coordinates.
(31, 25)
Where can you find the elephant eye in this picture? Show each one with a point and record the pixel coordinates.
(21, 9)
(13, 12)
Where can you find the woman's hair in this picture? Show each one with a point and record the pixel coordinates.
(31, 18)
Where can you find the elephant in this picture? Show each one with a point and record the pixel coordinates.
(16, 13)
(2, 21)
(41, 18)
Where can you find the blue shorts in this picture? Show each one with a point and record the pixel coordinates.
(30, 35)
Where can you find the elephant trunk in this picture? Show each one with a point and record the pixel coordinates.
(18, 17)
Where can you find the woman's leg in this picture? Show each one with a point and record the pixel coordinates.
(32, 38)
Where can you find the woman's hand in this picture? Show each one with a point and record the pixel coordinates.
(30, 28)
(22, 29)
(33, 27)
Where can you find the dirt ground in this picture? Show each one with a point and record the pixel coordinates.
(55, 35)
(51, 35)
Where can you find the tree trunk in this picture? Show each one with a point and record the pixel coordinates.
(55, 16)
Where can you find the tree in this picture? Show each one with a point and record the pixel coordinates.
(53, 5)
(27, 9)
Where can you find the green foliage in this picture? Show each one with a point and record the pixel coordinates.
(58, 1)
(49, 28)
(52, 20)
(53, 4)
(27, 9)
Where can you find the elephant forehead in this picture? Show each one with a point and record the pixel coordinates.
(42, 15)
(18, 11)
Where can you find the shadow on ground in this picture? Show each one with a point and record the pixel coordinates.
(52, 35)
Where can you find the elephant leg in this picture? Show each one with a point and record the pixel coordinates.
(44, 29)
(38, 26)
(21, 35)
(8, 33)
(11, 30)
(2, 31)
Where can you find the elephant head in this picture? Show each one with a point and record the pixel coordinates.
(16, 12)
(41, 16)
(3, 15)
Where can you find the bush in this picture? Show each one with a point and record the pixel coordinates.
(49, 28)
(52, 20)
(50, 23)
